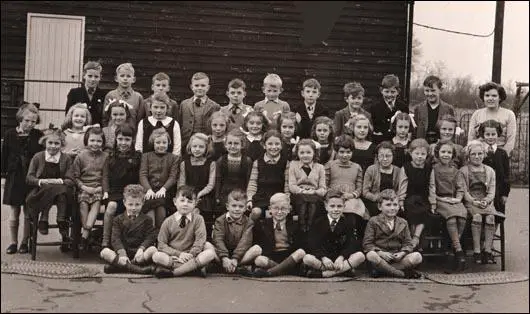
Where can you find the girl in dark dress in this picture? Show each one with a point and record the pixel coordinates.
(218, 123)
(254, 126)
(124, 163)
(19, 146)
(198, 171)
(401, 127)
(363, 150)
(322, 132)
(232, 169)
(416, 189)
(287, 126)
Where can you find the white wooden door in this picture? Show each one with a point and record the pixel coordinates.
(54, 61)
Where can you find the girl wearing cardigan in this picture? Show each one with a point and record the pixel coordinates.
(50, 176)
(381, 176)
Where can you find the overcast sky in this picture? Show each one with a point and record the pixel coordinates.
(465, 55)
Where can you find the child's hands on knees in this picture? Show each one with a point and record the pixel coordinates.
(433, 209)
(348, 196)
(328, 264)
(398, 256)
(161, 193)
(387, 256)
(184, 257)
(228, 265)
(123, 260)
(139, 256)
(149, 194)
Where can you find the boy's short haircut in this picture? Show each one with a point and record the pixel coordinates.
(187, 192)
(92, 65)
(162, 98)
(237, 83)
(160, 76)
(332, 193)
(133, 191)
(489, 124)
(279, 197)
(418, 143)
(237, 195)
(26, 106)
(311, 83)
(432, 80)
(125, 67)
(344, 141)
(354, 89)
(273, 79)
(386, 195)
(158, 133)
(199, 76)
(389, 81)
(50, 133)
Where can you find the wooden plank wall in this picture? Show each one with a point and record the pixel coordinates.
(226, 40)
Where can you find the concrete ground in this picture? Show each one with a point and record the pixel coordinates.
(34, 294)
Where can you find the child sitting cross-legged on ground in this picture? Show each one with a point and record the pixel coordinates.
(279, 240)
(333, 248)
(232, 235)
(182, 239)
(387, 242)
(133, 236)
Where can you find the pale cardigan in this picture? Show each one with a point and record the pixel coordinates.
(298, 179)
(372, 183)
(490, 184)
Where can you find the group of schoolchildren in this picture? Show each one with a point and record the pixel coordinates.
(304, 194)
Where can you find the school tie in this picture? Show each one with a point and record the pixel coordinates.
(132, 217)
(333, 224)
(234, 109)
(91, 91)
(183, 221)
(198, 102)
(278, 227)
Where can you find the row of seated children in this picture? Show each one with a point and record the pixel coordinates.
(269, 247)
(88, 172)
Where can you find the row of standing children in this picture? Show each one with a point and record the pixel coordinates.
(253, 122)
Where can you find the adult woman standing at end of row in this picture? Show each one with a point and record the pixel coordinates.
(493, 94)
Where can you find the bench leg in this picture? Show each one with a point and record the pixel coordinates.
(503, 248)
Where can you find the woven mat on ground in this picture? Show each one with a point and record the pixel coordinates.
(70, 271)
(479, 278)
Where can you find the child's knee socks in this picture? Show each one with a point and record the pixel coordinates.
(452, 229)
(489, 232)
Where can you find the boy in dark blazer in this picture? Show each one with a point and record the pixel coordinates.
(133, 236)
(385, 107)
(90, 93)
(428, 112)
(193, 113)
(332, 245)
(387, 242)
(279, 241)
(307, 112)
